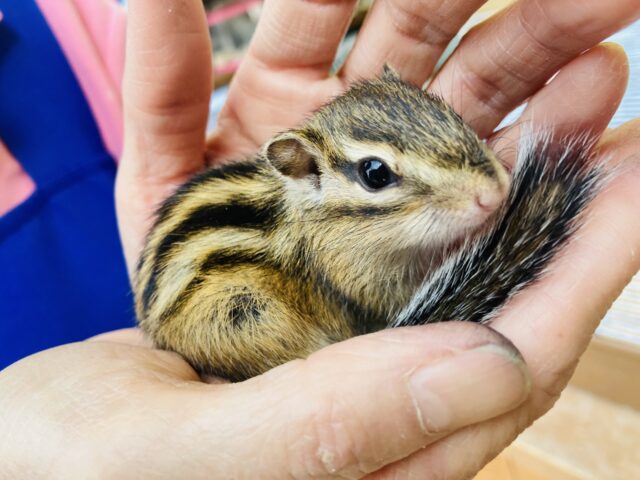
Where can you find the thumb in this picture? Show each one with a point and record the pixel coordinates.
(355, 407)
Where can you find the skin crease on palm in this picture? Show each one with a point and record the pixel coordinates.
(395, 404)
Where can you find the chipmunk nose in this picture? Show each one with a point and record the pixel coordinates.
(489, 200)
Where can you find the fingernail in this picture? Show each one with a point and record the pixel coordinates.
(469, 387)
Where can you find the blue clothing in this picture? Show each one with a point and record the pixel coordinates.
(62, 273)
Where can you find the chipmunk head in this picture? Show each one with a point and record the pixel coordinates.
(387, 149)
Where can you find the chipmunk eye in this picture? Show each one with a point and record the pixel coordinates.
(375, 174)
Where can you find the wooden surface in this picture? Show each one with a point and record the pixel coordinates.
(623, 320)
(593, 431)
(611, 370)
(582, 437)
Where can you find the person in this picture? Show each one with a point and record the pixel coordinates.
(436, 401)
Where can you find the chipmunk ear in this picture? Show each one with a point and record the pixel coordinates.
(389, 73)
(293, 155)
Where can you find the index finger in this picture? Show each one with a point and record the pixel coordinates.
(300, 35)
(166, 89)
(509, 57)
(285, 74)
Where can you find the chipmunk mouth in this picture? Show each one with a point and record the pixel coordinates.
(450, 235)
(429, 258)
(478, 215)
(445, 223)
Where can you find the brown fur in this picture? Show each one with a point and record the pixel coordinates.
(266, 260)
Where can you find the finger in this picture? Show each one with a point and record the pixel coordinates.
(503, 61)
(284, 75)
(621, 142)
(580, 288)
(462, 454)
(137, 338)
(129, 336)
(335, 413)
(299, 35)
(166, 89)
(409, 35)
(583, 97)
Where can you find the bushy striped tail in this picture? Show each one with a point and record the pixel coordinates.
(552, 184)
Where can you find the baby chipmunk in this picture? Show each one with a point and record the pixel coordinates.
(383, 209)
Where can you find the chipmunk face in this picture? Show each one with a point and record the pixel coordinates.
(388, 151)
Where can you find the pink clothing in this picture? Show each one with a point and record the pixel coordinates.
(91, 34)
(15, 185)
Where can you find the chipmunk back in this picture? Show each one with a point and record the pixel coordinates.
(341, 227)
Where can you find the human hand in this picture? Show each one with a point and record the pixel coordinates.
(112, 407)
(503, 64)
(422, 402)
